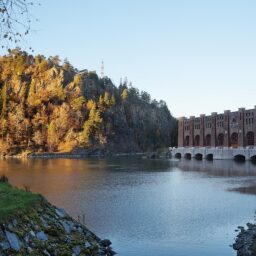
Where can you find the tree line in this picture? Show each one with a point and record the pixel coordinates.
(49, 106)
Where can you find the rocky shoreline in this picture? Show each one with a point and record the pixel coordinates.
(93, 152)
(245, 243)
(50, 231)
(86, 154)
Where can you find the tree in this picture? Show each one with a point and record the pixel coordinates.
(106, 98)
(54, 60)
(67, 66)
(38, 138)
(90, 103)
(92, 124)
(113, 100)
(3, 101)
(15, 20)
(46, 108)
(101, 103)
(124, 94)
(52, 136)
(145, 97)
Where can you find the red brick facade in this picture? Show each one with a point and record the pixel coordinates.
(230, 129)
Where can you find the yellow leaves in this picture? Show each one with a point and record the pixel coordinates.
(52, 98)
(124, 94)
(78, 79)
(69, 143)
(106, 98)
(3, 147)
(67, 146)
(106, 101)
(92, 124)
(33, 98)
(43, 66)
(113, 100)
(87, 129)
(77, 103)
(52, 138)
(97, 119)
(38, 138)
(90, 104)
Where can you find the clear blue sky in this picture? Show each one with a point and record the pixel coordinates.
(197, 55)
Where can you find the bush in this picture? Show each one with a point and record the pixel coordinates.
(3, 178)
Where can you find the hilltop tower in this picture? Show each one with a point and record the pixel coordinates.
(102, 69)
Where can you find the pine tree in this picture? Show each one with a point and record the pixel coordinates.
(113, 100)
(124, 94)
(106, 99)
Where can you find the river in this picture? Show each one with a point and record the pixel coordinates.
(148, 207)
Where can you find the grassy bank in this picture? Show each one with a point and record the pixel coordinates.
(30, 225)
(14, 200)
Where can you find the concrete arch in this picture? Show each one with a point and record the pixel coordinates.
(198, 156)
(239, 158)
(178, 155)
(187, 156)
(250, 138)
(253, 159)
(209, 157)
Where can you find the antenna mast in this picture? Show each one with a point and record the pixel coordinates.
(102, 69)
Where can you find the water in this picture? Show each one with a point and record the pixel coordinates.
(148, 207)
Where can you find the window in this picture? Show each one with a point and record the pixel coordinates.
(250, 138)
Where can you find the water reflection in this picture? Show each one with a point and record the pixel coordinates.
(223, 168)
(147, 207)
(245, 171)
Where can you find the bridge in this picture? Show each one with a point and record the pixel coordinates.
(215, 153)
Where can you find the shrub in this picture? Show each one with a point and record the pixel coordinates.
(3, 178)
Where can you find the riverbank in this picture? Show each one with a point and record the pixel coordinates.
(161, 153)
(85, 154)
(30, 225)
(245, 244)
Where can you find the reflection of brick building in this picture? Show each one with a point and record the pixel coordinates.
(230, 129)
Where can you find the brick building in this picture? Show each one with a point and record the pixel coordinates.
(229, 129)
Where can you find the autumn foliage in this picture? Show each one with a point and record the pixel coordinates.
(46, 106)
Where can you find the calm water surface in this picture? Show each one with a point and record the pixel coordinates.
(148, 207)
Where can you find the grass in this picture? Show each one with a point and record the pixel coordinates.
(14, 201)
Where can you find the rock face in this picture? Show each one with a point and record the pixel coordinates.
(245, 244)
(49, 231)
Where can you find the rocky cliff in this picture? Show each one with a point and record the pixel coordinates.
(49, 106)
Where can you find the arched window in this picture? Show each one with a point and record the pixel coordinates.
(220, 140)
(208, 140)
(197, 140)
(250, 138)
(234, 140)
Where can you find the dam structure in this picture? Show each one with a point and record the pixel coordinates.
(229, 135)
